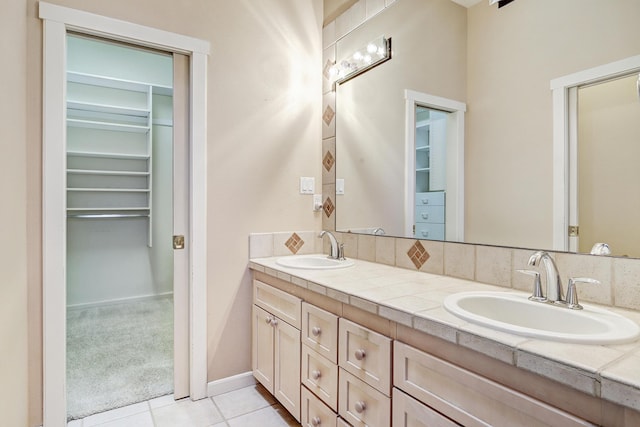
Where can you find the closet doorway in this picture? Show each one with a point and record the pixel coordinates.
(191, 341)
(120, 188)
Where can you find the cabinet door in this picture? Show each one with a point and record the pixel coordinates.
(408, 412)
(262, 349)
(287, 366)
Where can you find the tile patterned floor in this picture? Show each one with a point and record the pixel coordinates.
(247, 407)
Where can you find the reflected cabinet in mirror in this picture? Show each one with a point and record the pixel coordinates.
(462, 117)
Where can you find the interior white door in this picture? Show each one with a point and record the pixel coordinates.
(181, 225)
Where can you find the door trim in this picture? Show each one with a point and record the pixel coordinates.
(455, 161)
(57, 20)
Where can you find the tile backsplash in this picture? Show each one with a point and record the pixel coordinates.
(619, 277)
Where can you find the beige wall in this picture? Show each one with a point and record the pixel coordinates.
(513, 53)
(13, 260)
(264, 98)
(333, 8)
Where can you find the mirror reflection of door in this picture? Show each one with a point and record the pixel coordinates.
(430, 173)
(608, 165)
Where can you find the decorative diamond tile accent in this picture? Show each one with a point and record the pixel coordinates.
(326, 71)
(418, 254)
(328, 115)
(294, 243)
(328, 161)
(328, 207)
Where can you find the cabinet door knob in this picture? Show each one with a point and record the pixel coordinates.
(360, 406)
(315, 421)
(274, 321)
(360, 354)
(268, 320)
(316, 331)
(316, 374)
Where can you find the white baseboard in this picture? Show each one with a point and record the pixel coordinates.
(119, 301)
(235, 382)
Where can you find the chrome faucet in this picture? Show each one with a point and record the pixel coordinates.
(335, 251)
(554, 283)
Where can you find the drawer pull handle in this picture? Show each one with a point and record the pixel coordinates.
(425, 215)
(315, 421)
(360, 354)
(316, 374)
(316, 331)
(360, 406)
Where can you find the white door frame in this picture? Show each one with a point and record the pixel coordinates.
(455, 161)
(57, 21)
(565, 106)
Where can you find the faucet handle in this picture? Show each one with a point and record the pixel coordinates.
(341, 252)
(537, 286)
(572, 294)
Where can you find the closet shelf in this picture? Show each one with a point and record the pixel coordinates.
(110, 82)
(112, 209)
(423, 169)
(105, 108)
(107, 216)
(73, 153)
(91, 124)
(111, 190)
(105, 172)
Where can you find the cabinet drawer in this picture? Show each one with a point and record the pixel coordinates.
(430, 198)
(430, 214)
(365, 354)
(408, 412)
(315, 413)
(278, 303)
(362, 405)
(448, 388)
(320, 376)
(320, 331)
(430, 231)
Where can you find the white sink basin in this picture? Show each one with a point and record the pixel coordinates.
(514, 313)
(313, 262)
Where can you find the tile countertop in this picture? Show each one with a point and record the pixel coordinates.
(415, 299)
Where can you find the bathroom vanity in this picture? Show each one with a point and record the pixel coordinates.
(372, 345)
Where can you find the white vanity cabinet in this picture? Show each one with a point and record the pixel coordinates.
(389, 374)
(275, 357)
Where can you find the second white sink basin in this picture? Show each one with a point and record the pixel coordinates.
(514, 313)
(313, 262)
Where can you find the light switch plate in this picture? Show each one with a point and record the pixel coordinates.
(307, 185)
(340, 186)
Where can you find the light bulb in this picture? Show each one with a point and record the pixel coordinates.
(372, 48)
(357, 56)
(367, 59)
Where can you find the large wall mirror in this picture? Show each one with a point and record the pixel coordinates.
(499, 63)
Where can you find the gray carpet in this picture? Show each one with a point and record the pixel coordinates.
(118, 355)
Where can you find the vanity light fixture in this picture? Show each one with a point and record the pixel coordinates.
(374, 53)
(500, 2)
